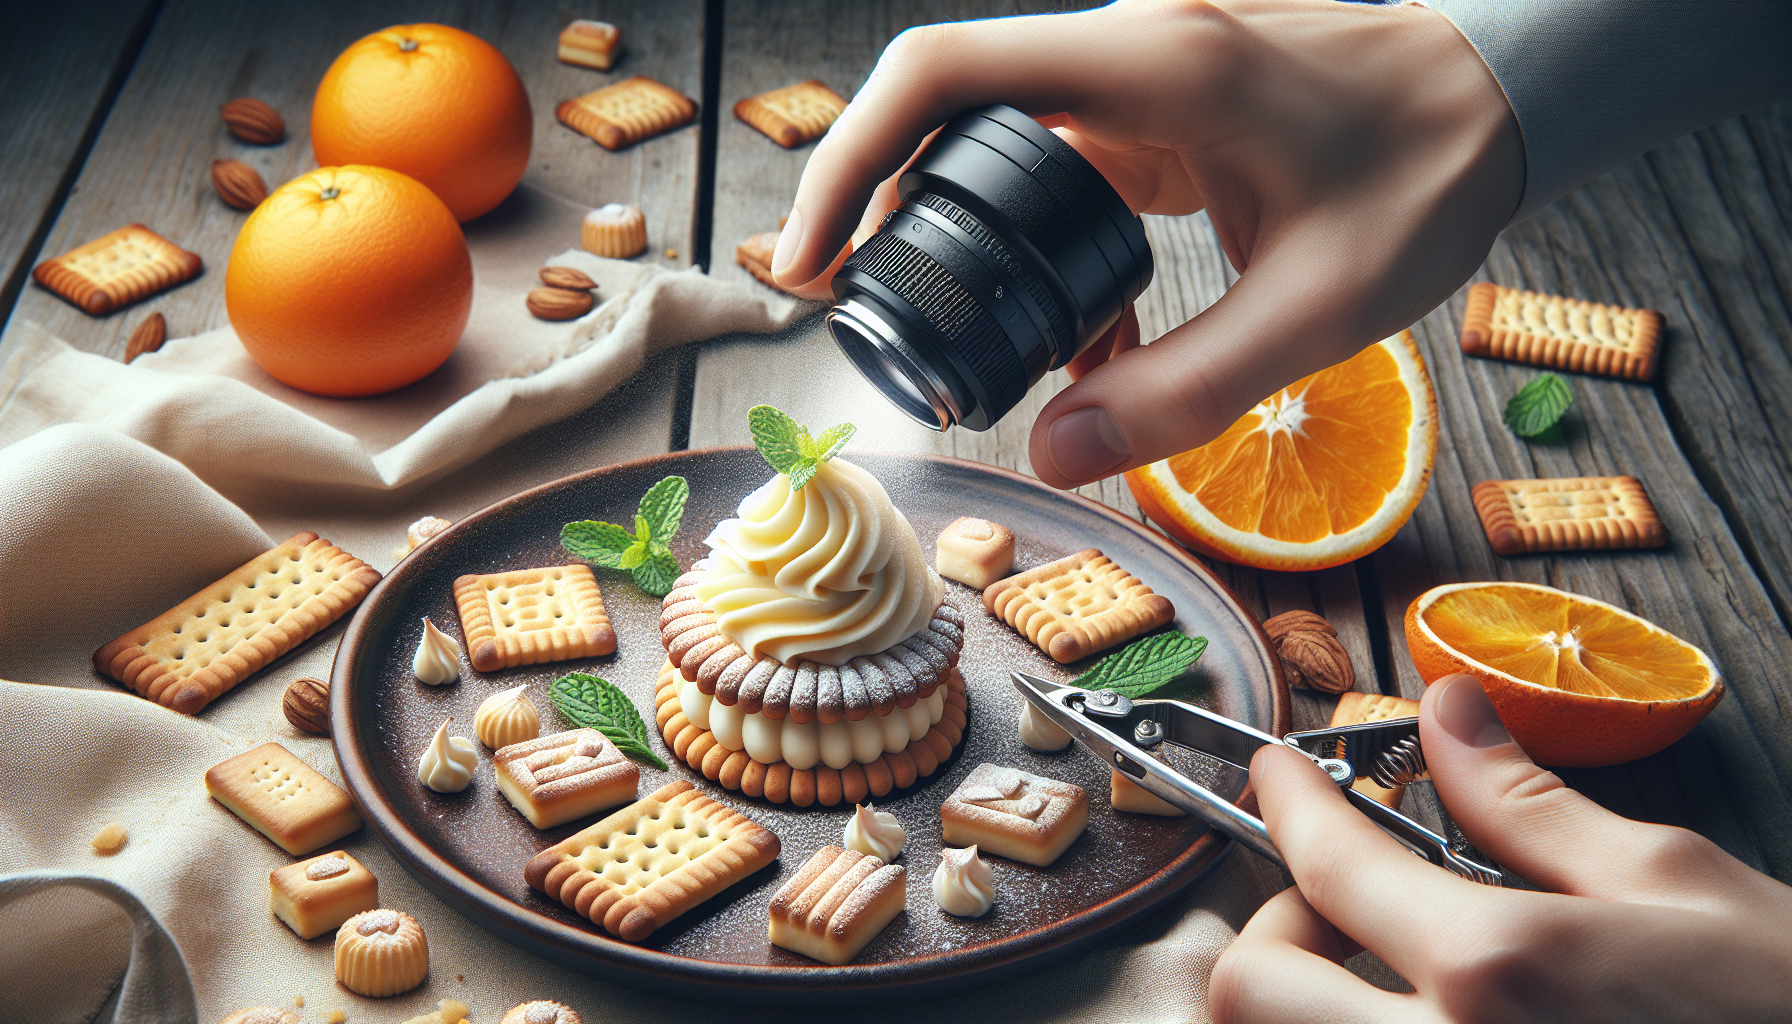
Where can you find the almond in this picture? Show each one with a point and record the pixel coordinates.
(307, 705)
(1289, 622)
(559, 303)
(148, 337)
(566, 277)
(254, 122)
(1310, 652)
(238, 184)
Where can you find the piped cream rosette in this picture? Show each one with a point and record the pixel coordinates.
(811, 656)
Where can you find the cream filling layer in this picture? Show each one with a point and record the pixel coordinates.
(805, 745)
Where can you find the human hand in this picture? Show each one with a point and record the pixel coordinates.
(1639, 921)
(1357, 162)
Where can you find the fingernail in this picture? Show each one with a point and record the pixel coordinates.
(788, 240)
(1468, 715)
(1087, 444)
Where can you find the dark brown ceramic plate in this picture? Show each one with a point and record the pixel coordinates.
(469, 848)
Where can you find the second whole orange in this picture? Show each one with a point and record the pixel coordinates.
(434, 102)
(350, 281)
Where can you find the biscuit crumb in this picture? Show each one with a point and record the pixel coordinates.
(298, 1001)
(671, 254)
(336, 1017)
(109, 839)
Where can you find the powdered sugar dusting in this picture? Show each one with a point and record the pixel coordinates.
(378, 921)
(325, 867)
(542, 1013)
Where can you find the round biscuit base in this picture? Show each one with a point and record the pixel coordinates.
(803, 787)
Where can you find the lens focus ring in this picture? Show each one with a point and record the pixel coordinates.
(1010, 261)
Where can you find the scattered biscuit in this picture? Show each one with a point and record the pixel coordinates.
(315, 896)
(755, 254)
(628, 112)
(381, 953)
(794, 114)
(529, 616)
(541, 1011)
(614, 230)
(1077, 606)
(1561, 333)
(836, 905)
(975, 552)
(554, 779)
(194, 652)
(1014, 814)
(589, 44)
(447, 1011)
(1127, 795)
(284, 798)
(1567, 514)
(653, 860)
(109, 839)
(117, 269)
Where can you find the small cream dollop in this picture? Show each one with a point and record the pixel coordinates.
(874, 833)
(1040, 732)
(963, 885)
(507, 717)
(447, 764)
(437, 661)
(420, 531)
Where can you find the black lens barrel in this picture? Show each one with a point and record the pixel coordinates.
(1008, 255)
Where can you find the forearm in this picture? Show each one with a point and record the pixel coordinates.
(1596, 82)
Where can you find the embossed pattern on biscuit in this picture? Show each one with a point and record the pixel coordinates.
(627, 112)
(117, 269)
(1014, 814)
(283, 798)
(1559, 332)
(1567, 514)
(1077, 605)
(529, 616)
(836, 904)
(794, 114)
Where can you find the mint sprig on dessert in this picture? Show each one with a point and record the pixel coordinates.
(646, 553)
(1143, 666)
(1538, 406)
(789, 447)
(592, 703)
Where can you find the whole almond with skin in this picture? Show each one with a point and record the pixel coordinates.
(566, 277)
(307, 705)
(238, 184)
(559, 303)
(148, 337)
(1318, 660)
(254, 121)
(1289, 622)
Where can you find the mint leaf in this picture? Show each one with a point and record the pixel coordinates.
(656, 573)
(663, 507)
(643, 530)
(777, 436)
(592, 703)
(832, 440)
(635, 555)
(1538, 405)
(802, 474)
(600, 543)
(1142, 666)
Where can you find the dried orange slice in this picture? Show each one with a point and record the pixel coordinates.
(1577, 682)
(1321, 472)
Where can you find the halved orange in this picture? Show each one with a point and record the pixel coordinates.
(1577, 682)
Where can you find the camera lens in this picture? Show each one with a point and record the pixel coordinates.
(1008, 255)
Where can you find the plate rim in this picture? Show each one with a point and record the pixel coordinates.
(688, 977)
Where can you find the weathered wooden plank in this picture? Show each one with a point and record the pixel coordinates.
(59, 65)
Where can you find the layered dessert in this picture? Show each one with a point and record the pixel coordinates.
(811, 657)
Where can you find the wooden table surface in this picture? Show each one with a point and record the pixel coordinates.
(110, 117)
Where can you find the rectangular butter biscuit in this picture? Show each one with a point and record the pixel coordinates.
(528, 616)
(1077, 606)
(191, 654)
(284, 798)
(755, 254)
(836, 905)
(1567, 514)
(553, 779)
(1014, 814)
(1359, 708)
(1561, 333)
(589, 44)
(653, 860)
(794, 114)
(628, 112)
(315, 896)
(117, 269)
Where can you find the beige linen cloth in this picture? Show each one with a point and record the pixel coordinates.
(124, 489)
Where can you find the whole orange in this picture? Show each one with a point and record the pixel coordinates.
(350, 281)
(439, 104)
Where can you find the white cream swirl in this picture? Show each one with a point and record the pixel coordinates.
(804, 745)
(826, 573)
(874, 833)
(437, 661)
(963, 885)
(507, 717)
(447, 764)
(1039, 732)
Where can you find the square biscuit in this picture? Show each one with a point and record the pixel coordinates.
(1561, 333)
(1077, 606)
(528, 616)
(117, 269)
(193, 653)
(628, 112)
(1567, 514)
(315, 896)
(653, 860)
(794, 114)
(755, 254)
(836, 905)
(284, 798)
(589, 44)
(1014, 814)
(975, 552)
(553, 779)
(1358, 708)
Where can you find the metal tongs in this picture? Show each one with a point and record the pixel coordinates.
(1120, 731)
